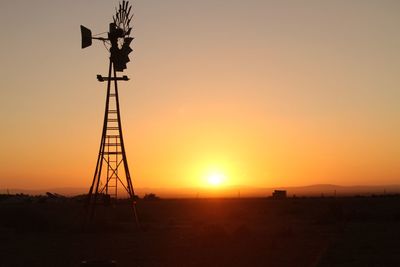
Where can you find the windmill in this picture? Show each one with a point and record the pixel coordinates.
(112, 174)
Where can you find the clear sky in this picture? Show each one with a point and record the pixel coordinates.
(266, 93)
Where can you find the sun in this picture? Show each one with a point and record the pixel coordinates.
(215, 179)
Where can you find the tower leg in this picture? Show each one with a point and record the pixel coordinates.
(93, 195)
(130, 190)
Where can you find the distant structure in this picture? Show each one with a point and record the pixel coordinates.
(279, 194)
(112, 174)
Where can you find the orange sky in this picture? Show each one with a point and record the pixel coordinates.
(268, 93)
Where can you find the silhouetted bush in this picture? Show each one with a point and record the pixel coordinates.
(151, 196)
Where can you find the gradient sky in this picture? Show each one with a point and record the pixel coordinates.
(269, 93)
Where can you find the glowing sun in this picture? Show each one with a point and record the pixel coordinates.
(215, 179)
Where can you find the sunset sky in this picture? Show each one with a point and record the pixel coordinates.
(263, 93)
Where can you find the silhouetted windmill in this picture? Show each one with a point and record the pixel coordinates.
(112, 164)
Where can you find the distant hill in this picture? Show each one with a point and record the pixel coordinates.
(231, 191)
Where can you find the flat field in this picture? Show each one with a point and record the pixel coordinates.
(354, 231)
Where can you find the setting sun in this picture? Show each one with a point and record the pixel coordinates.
(215, 179)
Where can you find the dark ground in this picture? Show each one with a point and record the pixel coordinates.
(206, 232)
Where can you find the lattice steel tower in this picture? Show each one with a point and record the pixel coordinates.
(112, 176)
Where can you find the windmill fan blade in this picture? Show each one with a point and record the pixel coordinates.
(123, 4)
(127, 41)
(128, 32)
(127, 51)
(129, 11)
(123, 16)
(129, 21)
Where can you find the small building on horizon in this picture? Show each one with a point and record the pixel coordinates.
(279, 194)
